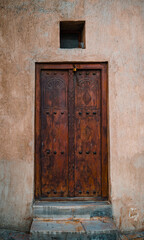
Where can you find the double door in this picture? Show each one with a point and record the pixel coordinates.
(71, 130)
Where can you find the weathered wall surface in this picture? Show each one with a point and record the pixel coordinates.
(29, 34)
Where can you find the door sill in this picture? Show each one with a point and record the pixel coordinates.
(72, 199)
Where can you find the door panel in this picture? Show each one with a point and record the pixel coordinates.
(87, 134)
(88, 157)
(71, 131)
(87, 92)
(54, 133)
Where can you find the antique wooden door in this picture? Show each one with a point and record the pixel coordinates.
(71, 130)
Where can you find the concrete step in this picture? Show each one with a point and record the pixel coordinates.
(100, 228)
(71, 210)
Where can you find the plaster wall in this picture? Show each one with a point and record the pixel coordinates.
(29, 34)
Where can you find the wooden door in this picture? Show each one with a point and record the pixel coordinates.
(71, 131)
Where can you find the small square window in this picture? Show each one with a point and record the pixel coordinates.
(72, 34)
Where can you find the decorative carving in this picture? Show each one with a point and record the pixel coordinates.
(86, 82)
(86, 97)
(88, 132)
(87, 88)
(54, 82)
(54, 90)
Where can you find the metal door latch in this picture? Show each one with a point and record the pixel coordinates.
(74, 69)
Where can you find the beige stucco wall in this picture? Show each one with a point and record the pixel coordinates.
(29, 34)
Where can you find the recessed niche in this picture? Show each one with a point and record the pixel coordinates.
(72, 34)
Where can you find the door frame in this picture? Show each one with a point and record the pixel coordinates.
(103, 66)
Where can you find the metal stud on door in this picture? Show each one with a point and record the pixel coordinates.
(71, 136)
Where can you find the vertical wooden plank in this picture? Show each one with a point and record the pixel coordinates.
(88, 133)
(71, 127)
(104, 132)
(37, 134)
(54, 133)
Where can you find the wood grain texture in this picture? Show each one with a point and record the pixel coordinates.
(37, 135)
(54, 133)
(104, 130)
(71, 99)
(71, 131)
(88, 133)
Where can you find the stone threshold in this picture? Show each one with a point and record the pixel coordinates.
(71, 210)
(97, 228)
(7, 234)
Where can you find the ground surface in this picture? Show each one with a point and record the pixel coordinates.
(133, 236)
(14, 235)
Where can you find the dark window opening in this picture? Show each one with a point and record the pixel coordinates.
(72, 34)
